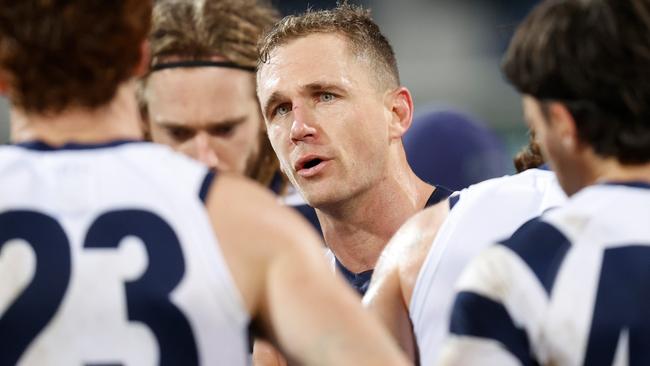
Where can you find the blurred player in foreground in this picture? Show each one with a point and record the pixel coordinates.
(108, 244)
(335, 112)
(572, 287)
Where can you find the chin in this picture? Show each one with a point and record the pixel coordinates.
(319, 198)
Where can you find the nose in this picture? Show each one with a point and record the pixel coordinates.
(303, 126)
(204, 151)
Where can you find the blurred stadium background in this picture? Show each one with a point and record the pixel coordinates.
(448, 53)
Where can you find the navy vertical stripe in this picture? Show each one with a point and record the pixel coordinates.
(542, 247)
(622, 303)
(206, 184)
(477, 316)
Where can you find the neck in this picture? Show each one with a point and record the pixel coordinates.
(358, 229)
(611, 170)
(119, 119)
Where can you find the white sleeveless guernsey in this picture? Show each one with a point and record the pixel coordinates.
(108, 257)
(484, 213)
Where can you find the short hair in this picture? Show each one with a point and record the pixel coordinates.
(74, 53)
(350, 21)
(187, 30)
(593, 57)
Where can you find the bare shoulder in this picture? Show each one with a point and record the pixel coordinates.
(277, 262)
(252, 229)
(408, 248)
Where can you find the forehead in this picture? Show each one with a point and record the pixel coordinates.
(317, 58)
(201, 85)
(200, 88)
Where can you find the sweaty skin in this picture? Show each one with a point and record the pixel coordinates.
(279, 258)
(325, 324)
(393, 281)
(363, 189)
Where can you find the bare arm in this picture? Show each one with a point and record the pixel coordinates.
(277, 263)
(393, 281)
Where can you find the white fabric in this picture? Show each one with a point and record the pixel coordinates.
(91, 325)
(558, 324)
(486, 212)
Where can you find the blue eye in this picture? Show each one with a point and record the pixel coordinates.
(282, 110)
(326, 97)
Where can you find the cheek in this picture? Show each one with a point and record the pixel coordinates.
(247, 138)
(279, 139)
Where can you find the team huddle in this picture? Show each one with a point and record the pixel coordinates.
(144, 216)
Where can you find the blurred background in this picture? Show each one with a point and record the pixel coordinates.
(448, 53)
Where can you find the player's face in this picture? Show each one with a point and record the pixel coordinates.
(208, 113)
(560, 153)
(326, 118)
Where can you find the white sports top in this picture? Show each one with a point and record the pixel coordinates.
(107, 257)
(485, 213)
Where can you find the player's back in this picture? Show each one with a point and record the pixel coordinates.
(575, 283)
(481, 215)
(600, 291)
(108, 257)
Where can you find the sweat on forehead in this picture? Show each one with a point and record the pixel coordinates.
(325, 60)
(353, 23)
(320, 43)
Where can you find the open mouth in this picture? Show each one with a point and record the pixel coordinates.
(311, 163)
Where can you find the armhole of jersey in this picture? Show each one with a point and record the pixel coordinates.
(206, 184)
(213, 254)
(219, 268)
(430, 265)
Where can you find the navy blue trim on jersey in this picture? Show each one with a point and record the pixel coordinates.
(42, 146)
(621, 305)
(643, 185)
(206, 184)
(544, 167)
(453, 200)
(359, 281)
(542, 247)
(439, 194)
(478, 316)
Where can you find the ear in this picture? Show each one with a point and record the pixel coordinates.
(563, 125)
(142, 67)
(400, 105)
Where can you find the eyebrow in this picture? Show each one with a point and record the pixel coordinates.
(311, 87)
(229, 122)
(320, 86)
